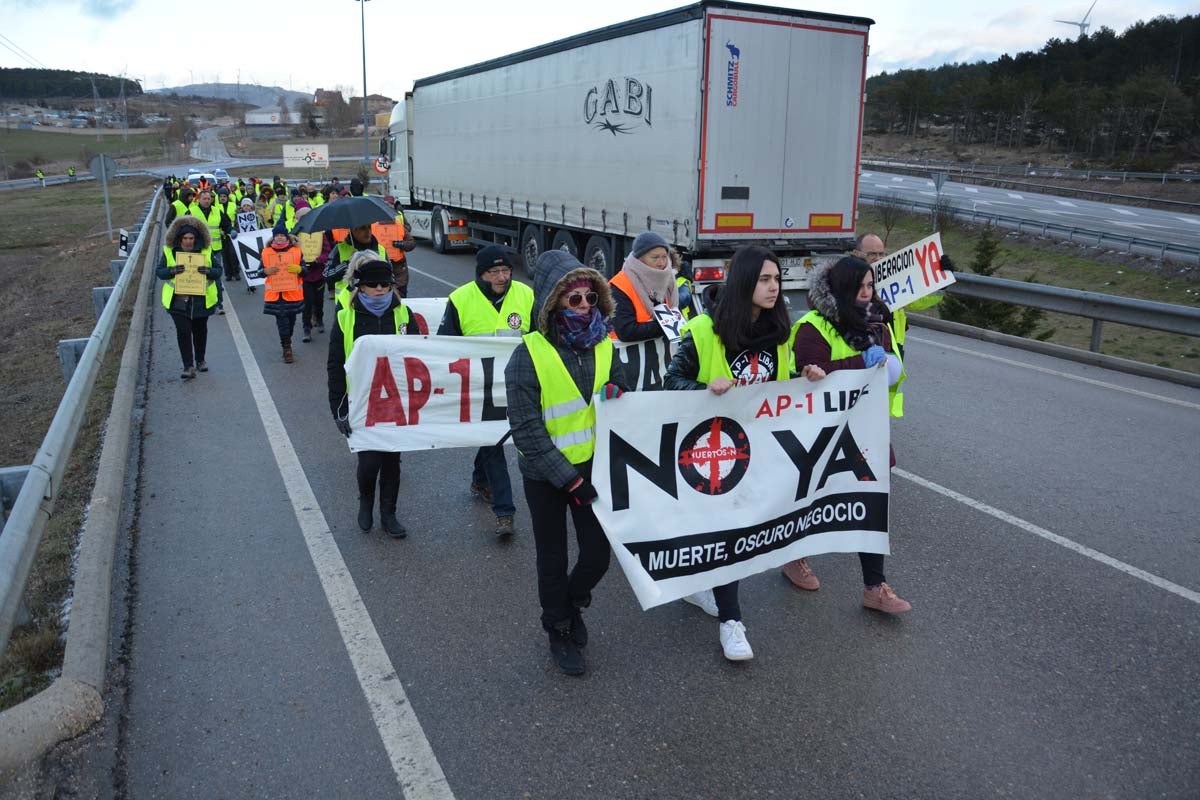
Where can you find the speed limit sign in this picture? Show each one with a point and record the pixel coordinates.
(382, 165)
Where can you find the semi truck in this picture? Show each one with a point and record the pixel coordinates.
(717, 124)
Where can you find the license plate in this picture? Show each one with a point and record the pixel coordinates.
(794, 265)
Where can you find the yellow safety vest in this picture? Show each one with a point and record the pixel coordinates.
(341, 293)
(168, 292)
(680, 282)
(180, 209)
(839, 348)
(570, 420)
(710, 353)
(316, 200)
(212, 220)
(478, 317)
(345, 318)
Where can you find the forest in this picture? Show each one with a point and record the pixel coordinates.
(36, 84)
(1129, 100)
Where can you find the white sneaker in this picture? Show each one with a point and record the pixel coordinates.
(705, 601)
(733, 641)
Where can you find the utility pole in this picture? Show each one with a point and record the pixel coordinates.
(366, 127)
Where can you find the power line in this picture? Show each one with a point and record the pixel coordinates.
(24, 53)
(19, 55)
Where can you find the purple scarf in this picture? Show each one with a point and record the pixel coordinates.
(581, 331)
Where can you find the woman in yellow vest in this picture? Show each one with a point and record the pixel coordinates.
(746, 340)
(190, 313)
(373, 308)
(552, 380)
(646, 279)
(849, 327)
(283, 296)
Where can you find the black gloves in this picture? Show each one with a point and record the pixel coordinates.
(582, 493)
(343, 426)
(947, 263)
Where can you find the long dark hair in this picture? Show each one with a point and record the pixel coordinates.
(845, 277)
(733, 319)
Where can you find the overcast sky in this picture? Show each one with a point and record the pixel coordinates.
(309, 44)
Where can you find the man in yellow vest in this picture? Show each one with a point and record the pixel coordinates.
(491, 305)
(869, 248)
(219, 226)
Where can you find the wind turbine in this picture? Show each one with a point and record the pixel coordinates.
(1083, 24)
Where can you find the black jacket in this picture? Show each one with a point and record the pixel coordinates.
(365, 324)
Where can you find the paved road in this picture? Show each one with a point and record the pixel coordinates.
(1027, 669)
(1169, 226)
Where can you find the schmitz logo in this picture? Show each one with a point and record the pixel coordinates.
(714, 456)
(618, 106)
(731, 74)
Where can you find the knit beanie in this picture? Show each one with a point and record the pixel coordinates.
(280, 227)
(491, 256)
(647, 241)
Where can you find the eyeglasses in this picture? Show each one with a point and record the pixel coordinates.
(576, 299)
(496, 272)
(375, 284)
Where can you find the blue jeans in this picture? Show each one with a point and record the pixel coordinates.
(491, 470)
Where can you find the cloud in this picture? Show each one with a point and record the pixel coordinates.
(106, 9)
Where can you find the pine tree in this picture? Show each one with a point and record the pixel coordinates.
(992, 314)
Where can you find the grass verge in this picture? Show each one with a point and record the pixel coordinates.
(1072, 266)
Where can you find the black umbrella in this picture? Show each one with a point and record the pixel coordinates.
(347, 212)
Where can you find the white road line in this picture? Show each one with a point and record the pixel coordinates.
(868, 174)
(412, 758)
(1015, 196)
(1125, 211)
(981, 202)
(929, 183)
(1029, 527)
(1066, 203)
(1189, 220)
(972, 190)
(929, 194)
(897, 180)
(434, 277)
(1137, 225)
(883, 186)
(1066, 375)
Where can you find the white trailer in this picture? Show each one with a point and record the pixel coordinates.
(717, 124)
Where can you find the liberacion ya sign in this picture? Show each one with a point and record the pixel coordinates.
(619, 105)
(707, 489)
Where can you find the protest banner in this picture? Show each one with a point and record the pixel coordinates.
(671, 321)
(247, 221)
(191, 281)
(708, 489)
(247, 248)
(911, 273)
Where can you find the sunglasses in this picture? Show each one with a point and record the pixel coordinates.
(375, 284)
(574, 300)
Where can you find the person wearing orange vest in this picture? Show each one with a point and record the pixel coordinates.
(646, 280)
(283, 296)
(396, 237)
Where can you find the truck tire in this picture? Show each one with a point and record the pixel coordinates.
(564, 240)
(533, 244)
(437, 231)
(598, 255)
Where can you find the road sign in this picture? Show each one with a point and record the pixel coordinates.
(938, 179)
(382, 165)
(123, 250)
(302, 156)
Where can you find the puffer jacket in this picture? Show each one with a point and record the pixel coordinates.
(810, 346)
(190, 306)
(538, 458)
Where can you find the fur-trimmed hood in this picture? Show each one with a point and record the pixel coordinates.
(203, 238)
(820, 296)
(554, 270)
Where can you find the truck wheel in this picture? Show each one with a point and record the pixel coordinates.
(532, 245)
(598, 255)
(563, 240)
(437, 231)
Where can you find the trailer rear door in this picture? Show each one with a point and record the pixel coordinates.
(781, 126)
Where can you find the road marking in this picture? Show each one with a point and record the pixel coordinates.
(897, 180)
(972, 190)
(1189, 220)
(1066, 203)
(412, 758)
(929, 183)
(929, 194)
(1029, 527)
(883, 186)
(1067, 375)
(868, 174)
(1124, 211)
(433, 277)
(982, 202)
(1015, 196)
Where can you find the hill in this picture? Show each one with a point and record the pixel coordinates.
(35, 84)
(250, 94)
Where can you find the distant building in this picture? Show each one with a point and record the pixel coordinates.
(323, 97)
(376, 104)
(271, 116)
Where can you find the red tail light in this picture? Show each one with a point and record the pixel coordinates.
(458, 223)
(709, 273)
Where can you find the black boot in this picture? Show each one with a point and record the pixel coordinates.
(566, 653)
(578, 629)
(365, 517)
(387, 511)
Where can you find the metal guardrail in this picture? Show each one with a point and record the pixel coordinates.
(42, 483)
(1130, 244)
(1033, 170)
(1097, 307)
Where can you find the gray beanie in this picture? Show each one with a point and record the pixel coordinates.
(647, 241)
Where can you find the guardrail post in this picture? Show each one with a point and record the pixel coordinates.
(115, 266)
(1096, 326)
(69, 352)
(100, 295)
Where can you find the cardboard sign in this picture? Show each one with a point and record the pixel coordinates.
(706, 489)
(310, 246)
(247, 221)
(191, 281)
(283, 280)
(671, 320)
(911, 273)
(385, 234)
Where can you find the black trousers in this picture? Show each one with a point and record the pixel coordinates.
(384, 467)
(560, 592)
(314, 305)
(192, 337)
(727, 602)
(872, 568)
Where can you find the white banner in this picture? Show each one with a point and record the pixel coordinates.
(450, 411)
(248, 247)
(706, 489)
(300, 156)
(911, 273)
